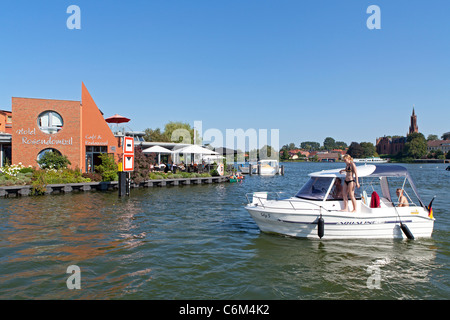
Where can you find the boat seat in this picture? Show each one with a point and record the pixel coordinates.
(385, 202)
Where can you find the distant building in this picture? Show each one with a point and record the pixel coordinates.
(413, 127)
(5, 121)
(5, 137)
(443, 145)
(388, 145)
(328, 156)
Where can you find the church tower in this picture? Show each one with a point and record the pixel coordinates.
(413, 127)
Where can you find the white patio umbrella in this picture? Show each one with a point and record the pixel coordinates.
(194, 149)
(158, 150)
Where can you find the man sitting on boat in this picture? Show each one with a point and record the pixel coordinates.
(402, 201)
(337, 190)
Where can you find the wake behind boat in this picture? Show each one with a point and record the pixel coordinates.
(314, 212)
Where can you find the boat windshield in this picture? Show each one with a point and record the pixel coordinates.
(315, 189)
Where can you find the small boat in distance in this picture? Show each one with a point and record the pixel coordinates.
(315, 211)
(268, 167)
(245, 167)
(371, 160)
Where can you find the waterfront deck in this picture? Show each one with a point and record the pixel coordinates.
(17, 191)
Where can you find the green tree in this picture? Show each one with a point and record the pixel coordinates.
(369, 149)
(53, 160)
(432, 137)
(355, 150)
(179, 132)
(173, 132)
(155, 135)
(415, 146)
(285, 155)
(329, 143)
(108, 167)
(310, 145)
(341, 145)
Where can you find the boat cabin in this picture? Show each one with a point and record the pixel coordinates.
(375, 180)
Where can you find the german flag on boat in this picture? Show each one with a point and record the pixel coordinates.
(430, 209)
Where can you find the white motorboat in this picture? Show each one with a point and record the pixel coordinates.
(371, 160)
(245, 168)
(315, 211)
(268, 167)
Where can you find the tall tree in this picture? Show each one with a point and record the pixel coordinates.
(369, 149)
(173, 132)
(341, 145)
(310, 145)
(154, 135)
(415, 146)
(329, 143)
(355, 150)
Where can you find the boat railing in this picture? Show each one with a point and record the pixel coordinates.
(277, 194)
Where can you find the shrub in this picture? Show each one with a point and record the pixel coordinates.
(108, 168)
(155, 176)
(141, 166)
(53, 160)
(93, 176)
(41, 178)
(15, 175)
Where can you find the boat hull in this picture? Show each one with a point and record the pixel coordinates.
(342, 225)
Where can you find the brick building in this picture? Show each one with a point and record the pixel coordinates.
(5, 137)
(75, 129)
(389, 145)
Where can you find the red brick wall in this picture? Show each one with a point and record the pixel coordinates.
(27, 138)
(95, 130)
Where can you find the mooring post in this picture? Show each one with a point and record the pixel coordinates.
(124, 188)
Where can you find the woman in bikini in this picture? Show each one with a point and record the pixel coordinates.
(351, 177)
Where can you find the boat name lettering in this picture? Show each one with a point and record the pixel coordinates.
(265, 215)
(356, 222)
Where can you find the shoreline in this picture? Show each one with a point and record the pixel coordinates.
(26, 190)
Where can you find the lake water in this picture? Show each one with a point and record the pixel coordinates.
(198, 242)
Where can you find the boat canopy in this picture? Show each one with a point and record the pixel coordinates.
(385, 170)
(382, 171)
(363, 171)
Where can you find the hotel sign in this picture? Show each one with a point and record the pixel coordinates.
(94, 140)
(49, 141)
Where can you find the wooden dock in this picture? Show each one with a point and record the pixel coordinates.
(17, 191)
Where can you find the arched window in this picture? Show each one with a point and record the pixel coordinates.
(50, 122)
(40, 154)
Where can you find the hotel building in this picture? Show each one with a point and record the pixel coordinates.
(76, 129)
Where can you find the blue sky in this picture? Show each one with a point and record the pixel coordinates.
(311, 69)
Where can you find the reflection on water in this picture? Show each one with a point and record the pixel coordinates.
(198, 242)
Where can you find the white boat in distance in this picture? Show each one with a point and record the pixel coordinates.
(268, 167)
(245, 168)
(371, 160)
(315, 211)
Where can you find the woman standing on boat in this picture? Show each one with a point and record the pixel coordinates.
(351, 178)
